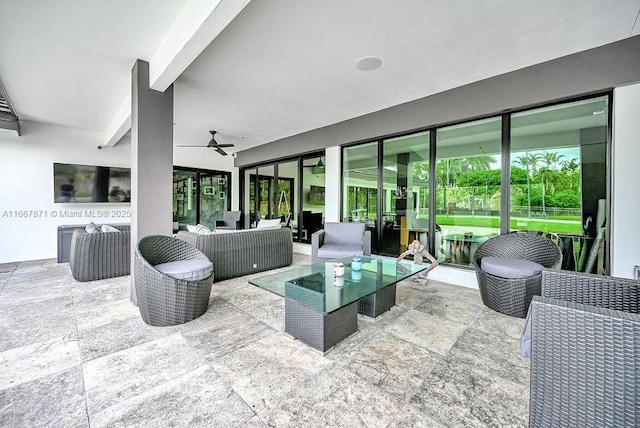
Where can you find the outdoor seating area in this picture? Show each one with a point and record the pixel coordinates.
(319, 214)
(79, 354)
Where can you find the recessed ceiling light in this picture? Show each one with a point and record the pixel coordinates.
(368, 63)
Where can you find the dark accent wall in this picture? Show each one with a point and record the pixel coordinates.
(594, 70)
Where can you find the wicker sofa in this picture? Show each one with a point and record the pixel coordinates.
(585, 342)
(242, 252)
(94, 256)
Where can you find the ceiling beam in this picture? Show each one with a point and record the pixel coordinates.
(10, 124)
(120, 125)
(199, 23)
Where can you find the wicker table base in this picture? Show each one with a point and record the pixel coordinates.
(319, 330)
(379, 302)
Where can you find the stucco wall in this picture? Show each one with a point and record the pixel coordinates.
(625, 207)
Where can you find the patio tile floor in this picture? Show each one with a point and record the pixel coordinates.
(77, 354)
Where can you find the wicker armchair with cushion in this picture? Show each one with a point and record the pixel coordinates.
(230, 220)
(338, 240)
(508, 268)
(172, 280)
(585, 343)
(97, 255)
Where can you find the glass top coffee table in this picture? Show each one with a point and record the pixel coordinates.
(321, 309)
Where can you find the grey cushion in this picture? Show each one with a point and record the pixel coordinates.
(525, 339)
(344, 233)
(512, 268)
(188, 270)
(334, 251)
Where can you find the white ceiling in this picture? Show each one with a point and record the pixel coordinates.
(283, 67)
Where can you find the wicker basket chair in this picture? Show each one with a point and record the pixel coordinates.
(513, 296)
(162, 299)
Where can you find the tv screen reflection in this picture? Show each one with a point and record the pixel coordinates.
(74, 183)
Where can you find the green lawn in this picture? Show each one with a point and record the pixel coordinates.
(555, 225)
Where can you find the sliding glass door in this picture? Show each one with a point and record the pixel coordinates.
(360, 187)
(405, 195)
(313, 197)
(468, 188)
(199, 196)
(542, 170)
(291, 190)
(558, 178)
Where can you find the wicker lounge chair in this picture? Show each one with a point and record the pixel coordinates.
(94, 256)
(338, 240)
(584, 352)
(230, 220)
(164, 300)
(512, 296)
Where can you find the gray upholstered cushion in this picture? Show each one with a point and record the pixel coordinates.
(344, 234)
(333, 251)
(525, 339)
(506, 267)
(188, 270)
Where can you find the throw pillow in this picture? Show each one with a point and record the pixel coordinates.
(191, 227)
(92, 228)
(106, 228)
(201, 229)
(269, 224)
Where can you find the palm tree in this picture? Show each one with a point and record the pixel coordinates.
(551, 159)
(570, 168)
(530, 163)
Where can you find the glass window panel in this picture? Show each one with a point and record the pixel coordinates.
(558, 176)
(213, 198)
(468, 186)
(288, 184)
(313, 191)
(250, 198)
(266, 192)
(360, 191)
(184, 198)
(406, 192)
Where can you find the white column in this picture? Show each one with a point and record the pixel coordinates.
(332, 184)
(625, 200)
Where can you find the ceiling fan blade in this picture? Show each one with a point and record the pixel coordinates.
(222, 152)
(224, 145)
(202, 147)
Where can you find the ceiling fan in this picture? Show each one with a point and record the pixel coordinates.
(213, 144)
(316, 169)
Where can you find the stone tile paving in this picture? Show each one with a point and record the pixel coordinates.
(77, 354)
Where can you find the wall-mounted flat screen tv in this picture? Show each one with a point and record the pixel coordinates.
(89, 183)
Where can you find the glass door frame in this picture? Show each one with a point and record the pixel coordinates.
(201, 172)
(505, 172)
(297, 200)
